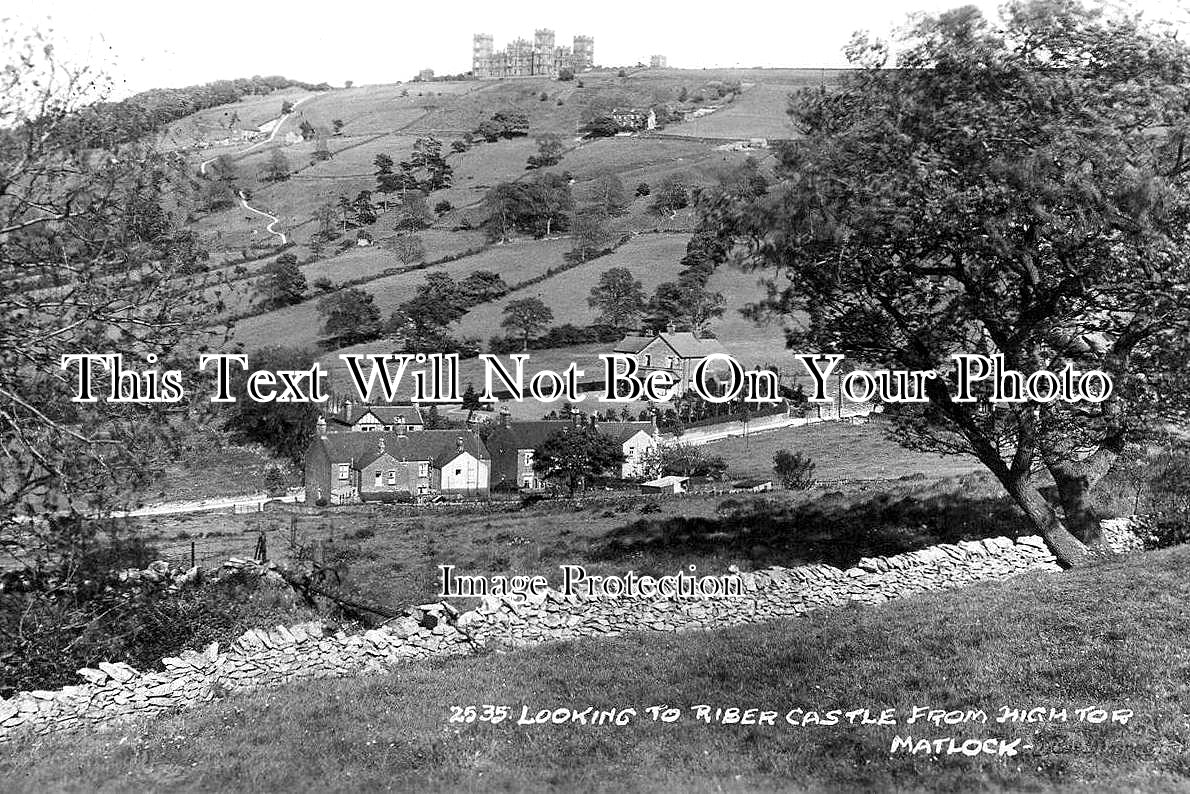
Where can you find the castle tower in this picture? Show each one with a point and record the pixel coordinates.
(481, 55)
(543, 40)
(584, 52)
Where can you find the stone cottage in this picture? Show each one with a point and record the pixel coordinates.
(347, 467)
(360, 417)
(676, 351)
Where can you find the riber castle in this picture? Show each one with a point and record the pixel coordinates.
(524, 58)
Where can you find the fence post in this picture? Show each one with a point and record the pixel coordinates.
(192, 563)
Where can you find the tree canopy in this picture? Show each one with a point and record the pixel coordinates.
(1015, 187)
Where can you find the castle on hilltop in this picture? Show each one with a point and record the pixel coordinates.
(524, 58)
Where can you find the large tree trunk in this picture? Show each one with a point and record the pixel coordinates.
(1069, 550)
(1074, 496)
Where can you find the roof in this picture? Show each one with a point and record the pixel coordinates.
(667, 480)
(530, 435)
(436, 446)
(684, 343)
(387, 414)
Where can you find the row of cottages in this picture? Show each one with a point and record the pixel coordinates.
(363, 418)
(511, 445)
(396, 466)
(676, 351)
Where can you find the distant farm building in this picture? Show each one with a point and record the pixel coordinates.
(658, 62)
(670, 483)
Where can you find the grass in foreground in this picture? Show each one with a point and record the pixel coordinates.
(1114, 636)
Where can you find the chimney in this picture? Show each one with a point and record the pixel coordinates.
(459, 444)
(380, 444)
(320, 426)
(504, 418)
(576, 419)
(594, 420)
(347, 410)
(401, 429)
(670, 328)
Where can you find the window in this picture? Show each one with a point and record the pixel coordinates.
(379, 477)
(648, 360)
(387, 428)
(423, 469)
(344, 471)
(458, 472)
(392, 476)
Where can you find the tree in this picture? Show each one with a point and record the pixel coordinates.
(673, 194)
(286, 108)
(277, 169)
(92, 261)
(576, 454)
(682, 460)
(350, 316)
(307, 130)
(685, 303)
(538, 206)
(590, 234)
(443, 207)
(619, 296)
(643, 190)
(549, 151)
(283, 283)
(793, 469)
(600, 127)
(1017, 189)
(284, 428)
(470, 401)
(527, 316)
(337, 126)
(683, 94)
(482, 286)
(565, 73)
(414, 214)
(608, 193)
(409, 248)
(325, 226)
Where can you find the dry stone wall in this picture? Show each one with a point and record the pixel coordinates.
(112, 693)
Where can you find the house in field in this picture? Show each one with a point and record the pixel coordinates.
(511, 445)
(351, 466)
(635, 118)
(679, 352)
(363, 418)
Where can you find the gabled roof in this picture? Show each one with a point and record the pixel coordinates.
(435, 446)
(386, 414)
(684, 343)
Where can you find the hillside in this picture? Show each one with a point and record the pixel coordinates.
(1115, 638)
(360, 123)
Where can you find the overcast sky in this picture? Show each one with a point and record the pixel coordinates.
(155, 44)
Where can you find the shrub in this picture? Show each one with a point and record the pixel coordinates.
(793, 469)
(274, 481)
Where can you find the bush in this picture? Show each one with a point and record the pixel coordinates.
(793, 469)
(643, 190)
(443, 207)
(274, 481)
(52, 631)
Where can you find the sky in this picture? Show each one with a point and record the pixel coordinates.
(145, 45)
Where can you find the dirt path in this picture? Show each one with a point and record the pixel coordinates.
(273, 219)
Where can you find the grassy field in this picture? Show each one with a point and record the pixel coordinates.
(1112, 636)
(652, 259)
(300, 324)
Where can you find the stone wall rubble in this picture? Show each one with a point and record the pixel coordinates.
(115, 692)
